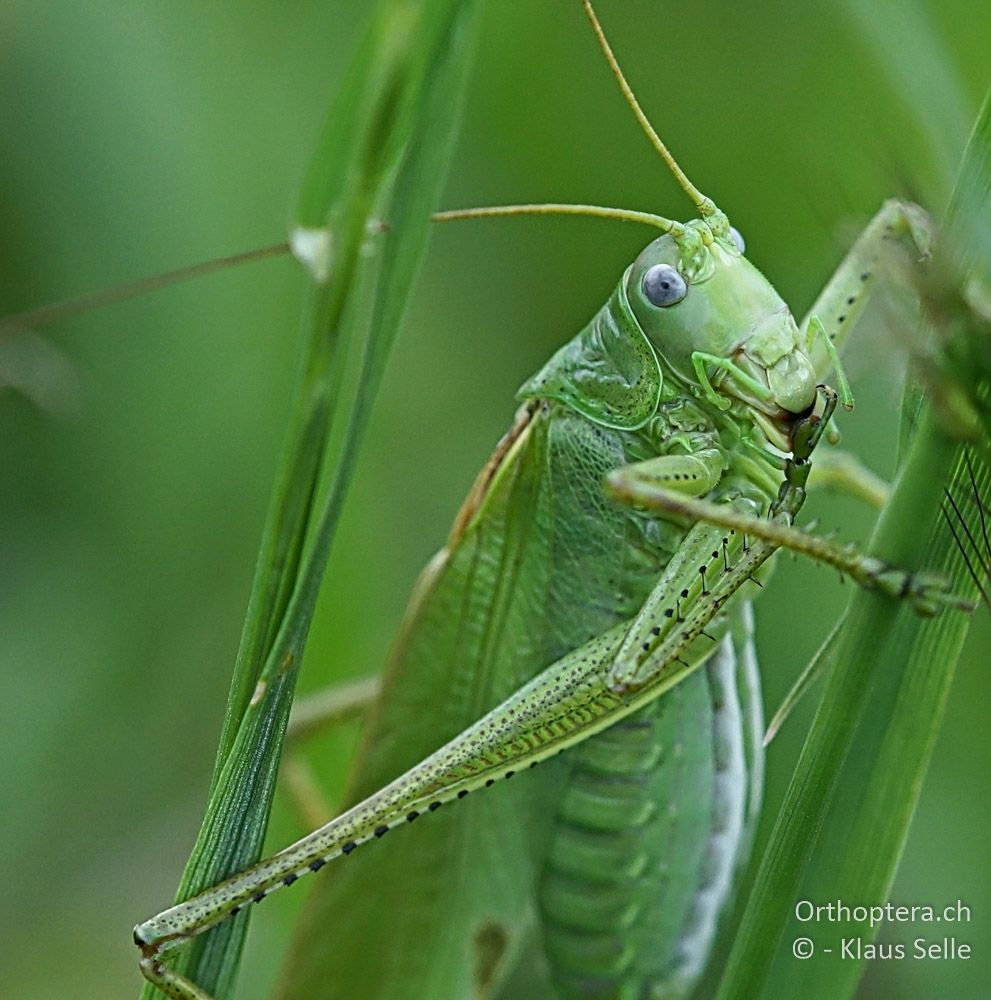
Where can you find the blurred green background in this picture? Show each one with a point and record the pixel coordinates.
(141, 137)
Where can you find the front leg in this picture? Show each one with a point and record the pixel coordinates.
(926, 592)
(878, 253)
(691, 474)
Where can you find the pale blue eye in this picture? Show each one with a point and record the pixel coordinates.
(663, 285)
(738, 239)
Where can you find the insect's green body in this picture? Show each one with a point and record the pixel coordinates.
(615, 859)
(602, 873)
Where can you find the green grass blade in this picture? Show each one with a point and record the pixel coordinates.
(383, 154)
(842, 825)
(846, 814)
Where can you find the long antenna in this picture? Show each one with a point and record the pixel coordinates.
(44, 315)
(553, 208)
(706, 206)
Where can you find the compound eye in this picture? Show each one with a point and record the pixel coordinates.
(737, 237)
(664, 286)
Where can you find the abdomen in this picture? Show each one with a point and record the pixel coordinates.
(650, 832)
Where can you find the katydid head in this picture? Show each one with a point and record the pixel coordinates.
(691, 310)
(691, 316)
(716, 321)
(717, 324)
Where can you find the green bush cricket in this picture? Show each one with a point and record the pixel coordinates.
(693, 381)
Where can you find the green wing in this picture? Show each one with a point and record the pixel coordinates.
(539, 563)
